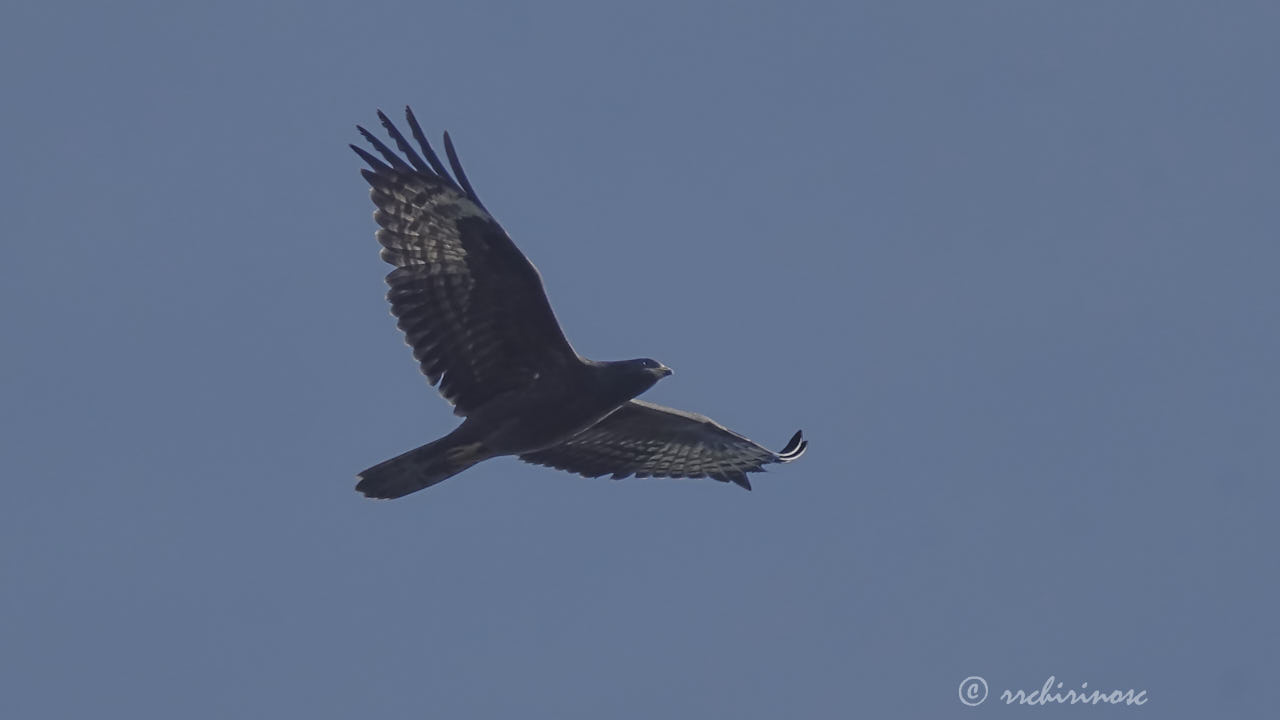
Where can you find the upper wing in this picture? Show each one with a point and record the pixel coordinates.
(470, 303)
(644, 439)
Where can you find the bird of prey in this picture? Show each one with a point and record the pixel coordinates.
(473, 310)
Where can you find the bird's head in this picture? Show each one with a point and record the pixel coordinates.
(653, 367)
(633, 377)
(629, 378)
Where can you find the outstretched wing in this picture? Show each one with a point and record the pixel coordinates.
(471, 305)
(648, 440)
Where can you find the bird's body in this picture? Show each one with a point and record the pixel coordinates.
(473, 310)
(556, 407)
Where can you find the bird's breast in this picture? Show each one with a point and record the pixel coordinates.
(534, 421)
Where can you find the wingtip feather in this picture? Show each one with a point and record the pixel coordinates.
(415, 130)
(794, 449)
(373, 162)
(458, 172)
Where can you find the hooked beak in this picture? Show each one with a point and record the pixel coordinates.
(662, 371)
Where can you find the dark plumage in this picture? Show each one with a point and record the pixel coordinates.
(473, 309)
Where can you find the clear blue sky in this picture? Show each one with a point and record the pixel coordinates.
(1012, 267)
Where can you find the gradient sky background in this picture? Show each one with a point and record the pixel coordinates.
(1012, 267)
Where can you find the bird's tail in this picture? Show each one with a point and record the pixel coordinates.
(421, 467)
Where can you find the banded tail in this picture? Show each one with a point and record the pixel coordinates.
(420, 468)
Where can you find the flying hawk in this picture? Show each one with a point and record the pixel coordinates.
(472, 307)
